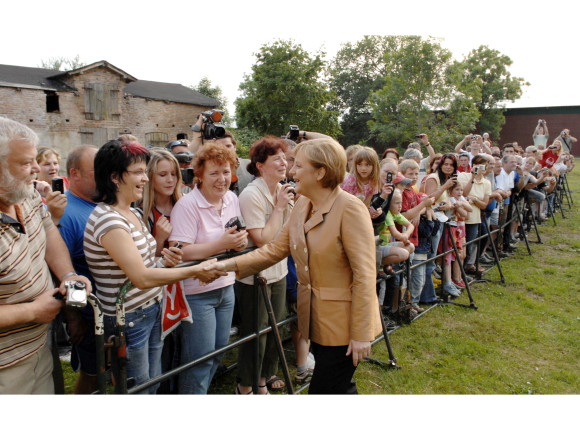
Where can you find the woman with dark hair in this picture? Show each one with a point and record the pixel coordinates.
(330, 237)
(119, 247)
(265, 206)
(199, 220)
(437, 185)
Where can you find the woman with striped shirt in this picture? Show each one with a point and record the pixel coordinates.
(118, 247)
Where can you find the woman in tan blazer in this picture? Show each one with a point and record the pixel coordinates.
(330, 237)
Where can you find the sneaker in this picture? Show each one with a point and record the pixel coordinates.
(484, 259)
(459, 284)
(419, 310)
(451, 289)
(233, 331)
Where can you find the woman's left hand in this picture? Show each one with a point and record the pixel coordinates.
(359, 350)
(171, 256)
(375, 213)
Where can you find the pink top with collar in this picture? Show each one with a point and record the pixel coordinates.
(195, 220)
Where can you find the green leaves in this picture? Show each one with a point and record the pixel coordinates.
(284, 88)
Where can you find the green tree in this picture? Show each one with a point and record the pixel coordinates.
(421, 95)
(490, 68)
(357, 70)
(284, 88)
(62, 63)
(204, 87)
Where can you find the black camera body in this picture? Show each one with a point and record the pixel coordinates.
(236, 221)
(58, 185)
(292, 183)
(294, 132)
(187, 176)
(184, 157)
(213, 129)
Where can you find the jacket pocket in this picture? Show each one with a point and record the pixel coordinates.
(342, 294)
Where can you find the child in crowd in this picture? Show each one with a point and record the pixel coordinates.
(413, 207)
(458, 215)
(363, 180)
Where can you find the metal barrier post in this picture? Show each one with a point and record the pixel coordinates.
(100, 343)
(463, 274)
(519, 218)
(493, 248)
(121, 339)
(264, 288)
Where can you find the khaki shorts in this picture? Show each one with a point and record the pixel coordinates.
(30, 376)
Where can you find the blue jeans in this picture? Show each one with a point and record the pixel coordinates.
(471, 231)
(144, 344)
(428, 294)
(212, 320)
(417, 281)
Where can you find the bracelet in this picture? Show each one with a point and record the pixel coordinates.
(68, 275)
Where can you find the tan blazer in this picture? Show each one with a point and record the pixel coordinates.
(334, 253)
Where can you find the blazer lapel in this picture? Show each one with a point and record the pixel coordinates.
(318, 216)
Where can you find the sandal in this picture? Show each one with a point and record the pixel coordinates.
(237, 390)
(270, 384)
(304, 377)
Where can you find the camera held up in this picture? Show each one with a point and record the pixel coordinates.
(213, 128)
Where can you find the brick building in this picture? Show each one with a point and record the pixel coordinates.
(521, 122)
(95, 103)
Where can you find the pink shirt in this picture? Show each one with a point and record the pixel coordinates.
(194, 220)
(350, 186)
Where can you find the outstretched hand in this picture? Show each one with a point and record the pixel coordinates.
(210, 270)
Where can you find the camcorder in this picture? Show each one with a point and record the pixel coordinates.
(58, 185)
(292, 183)
(76, 294)
(213, 129)
(236, 221)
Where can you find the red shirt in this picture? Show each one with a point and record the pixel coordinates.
(461, 169)
(410, 200)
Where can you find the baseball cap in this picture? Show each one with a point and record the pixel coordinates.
(175, 143)
(400, 179)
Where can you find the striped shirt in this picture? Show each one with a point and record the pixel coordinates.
(107, 274)
(24, 275)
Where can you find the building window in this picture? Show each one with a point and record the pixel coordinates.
(52, 101)
(102, 102)
(181, 136)
(156, 139)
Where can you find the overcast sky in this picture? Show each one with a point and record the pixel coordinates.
(180, 42)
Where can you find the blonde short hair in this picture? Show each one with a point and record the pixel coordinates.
(328, 153)
(408, 164)
(44, 152)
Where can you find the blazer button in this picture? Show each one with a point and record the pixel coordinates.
(308, 286)
(294, 247)
(306, 250)
(306, 268)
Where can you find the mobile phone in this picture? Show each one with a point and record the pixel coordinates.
(179, 245)
(389, 178)
(58, 185)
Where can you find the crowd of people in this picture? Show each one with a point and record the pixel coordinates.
(326, 224)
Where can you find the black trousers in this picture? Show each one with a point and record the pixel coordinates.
(333, 371)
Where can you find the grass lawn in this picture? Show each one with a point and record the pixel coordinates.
(523, 339)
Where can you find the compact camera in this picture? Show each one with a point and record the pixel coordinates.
(292, 184)
(294, 132)
(478, 168)
(236, 221)
(58, 185)
(76, 294)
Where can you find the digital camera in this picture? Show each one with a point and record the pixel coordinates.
(236, 221)
(76, 294)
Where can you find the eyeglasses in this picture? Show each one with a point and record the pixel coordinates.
(138, 173)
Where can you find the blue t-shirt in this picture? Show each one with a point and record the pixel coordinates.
(72, 230)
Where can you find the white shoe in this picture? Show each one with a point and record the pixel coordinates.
(310, 361)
